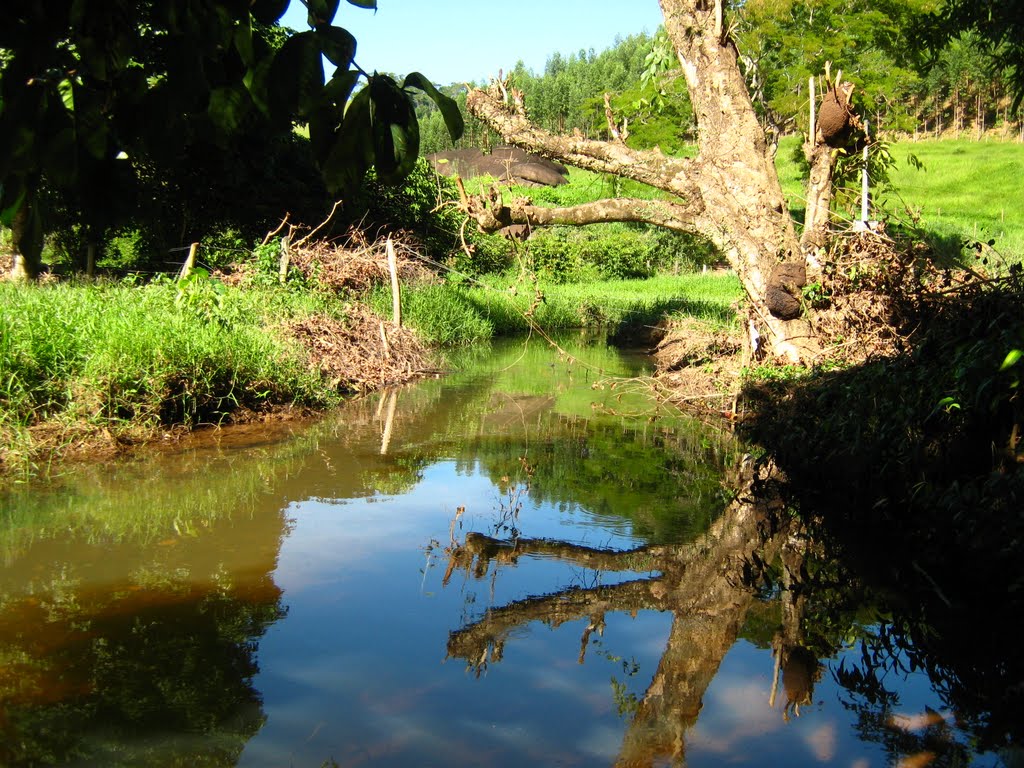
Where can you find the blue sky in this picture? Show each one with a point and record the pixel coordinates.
(470, 40)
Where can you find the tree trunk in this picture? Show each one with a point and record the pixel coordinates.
(730, 193)
(25, 266)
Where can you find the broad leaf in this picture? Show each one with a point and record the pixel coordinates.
(352, 153)
(396, 137)
(243, 41)
(1012, 358)
(326, 119)
(337, 45)
(268, 11)
(296, 76)
(449, 109)
(227, 109)
(321, 12)
(364, 3)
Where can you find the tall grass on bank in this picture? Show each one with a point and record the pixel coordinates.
(501, 305)
(117, 357)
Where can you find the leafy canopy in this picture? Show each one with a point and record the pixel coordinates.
(89, 87)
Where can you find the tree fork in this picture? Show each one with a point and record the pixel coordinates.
(730, 192)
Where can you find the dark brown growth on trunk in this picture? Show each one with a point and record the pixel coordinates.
(730, 192)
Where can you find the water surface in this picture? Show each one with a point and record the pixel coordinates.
(508, 566)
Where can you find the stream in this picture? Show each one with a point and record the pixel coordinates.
(524, 562)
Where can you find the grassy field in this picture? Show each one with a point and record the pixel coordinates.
(966, 190)
(499, 305)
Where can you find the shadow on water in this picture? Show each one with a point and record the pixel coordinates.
(911, 470)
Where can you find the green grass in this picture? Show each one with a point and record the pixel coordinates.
(968, 190)
(113, 356)
(501, 305)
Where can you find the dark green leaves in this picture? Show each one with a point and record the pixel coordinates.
(268, 11)
(296, 76)
(337, 45)
(352, 153)
(365, 3)
(228, 107)
(321, 12)
(379, 128)
(396, 132)
(449, 109)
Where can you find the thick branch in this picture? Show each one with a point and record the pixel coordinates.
(473, 642)
(647, 166)
(491, 213)
(487, 548)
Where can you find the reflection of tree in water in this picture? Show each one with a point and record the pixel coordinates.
(133, 679)
(751, 559)
(705, 583)
(132, 642)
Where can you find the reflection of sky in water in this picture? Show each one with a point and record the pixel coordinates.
(358, 671)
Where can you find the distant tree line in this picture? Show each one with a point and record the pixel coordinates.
(921, 67)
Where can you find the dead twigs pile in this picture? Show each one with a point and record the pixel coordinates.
(356, 264)
(875, 291)
(360, 353)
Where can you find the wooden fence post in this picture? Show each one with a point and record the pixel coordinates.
(190, 262)
(396, 291)
(286, 257)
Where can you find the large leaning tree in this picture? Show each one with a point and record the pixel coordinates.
(729, 192)
(93, 90)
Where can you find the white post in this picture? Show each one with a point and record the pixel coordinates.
(396, 292)
(864, 179)
(811, 131)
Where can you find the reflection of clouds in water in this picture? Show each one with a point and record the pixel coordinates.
(822, 742)
(734, 710)
(602, 742)
(583, 692)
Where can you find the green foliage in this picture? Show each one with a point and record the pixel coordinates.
(93, 103)
(1001, 25)
(441, 314)
(505, 304)
(159, 354)
(951, 192)
(424, 206)
(567, 255)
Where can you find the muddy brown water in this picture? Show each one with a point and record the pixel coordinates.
(521, 563)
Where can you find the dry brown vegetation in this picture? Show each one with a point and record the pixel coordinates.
(362, 352)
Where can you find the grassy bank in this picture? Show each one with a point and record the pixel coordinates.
(128, 359)
(965, 190)
(124, 362)
(495, 306)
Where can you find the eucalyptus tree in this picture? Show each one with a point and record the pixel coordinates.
(90, 89)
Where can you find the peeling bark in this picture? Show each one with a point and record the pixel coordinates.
(730, 193)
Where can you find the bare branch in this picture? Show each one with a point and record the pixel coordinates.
(472, 642)
(647, 166)
(486, 548)
(491, 213)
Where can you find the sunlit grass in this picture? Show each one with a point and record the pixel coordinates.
(968, 190)
(110, 355)
(502, 305)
